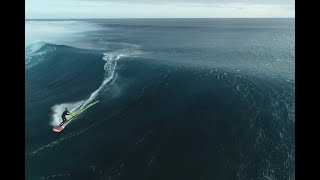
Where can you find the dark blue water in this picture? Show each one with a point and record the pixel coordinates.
(179, 99)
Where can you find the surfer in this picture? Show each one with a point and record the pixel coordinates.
(63, 116)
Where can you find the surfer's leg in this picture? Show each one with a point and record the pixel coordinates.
(63, 121)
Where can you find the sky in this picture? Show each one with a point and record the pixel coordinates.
(79, 9)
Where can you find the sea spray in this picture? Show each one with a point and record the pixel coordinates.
(58, 109)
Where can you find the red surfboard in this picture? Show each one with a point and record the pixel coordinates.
(58, 128)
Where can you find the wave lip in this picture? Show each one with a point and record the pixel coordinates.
(33, 47)
(35, 52)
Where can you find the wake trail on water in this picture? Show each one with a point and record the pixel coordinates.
(111, 59)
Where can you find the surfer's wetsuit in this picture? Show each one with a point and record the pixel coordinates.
(63, 116)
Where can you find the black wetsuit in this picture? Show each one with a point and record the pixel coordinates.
(63, 116)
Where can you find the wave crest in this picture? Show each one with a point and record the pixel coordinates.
(35, 52)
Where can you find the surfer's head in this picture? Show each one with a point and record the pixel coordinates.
(66, 109)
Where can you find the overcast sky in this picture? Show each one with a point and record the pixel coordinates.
(60, 9)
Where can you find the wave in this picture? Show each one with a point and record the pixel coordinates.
(241, 118)
(36, 51)
(111, 59)
(33, 47)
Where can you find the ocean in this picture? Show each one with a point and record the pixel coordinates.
(178, 99)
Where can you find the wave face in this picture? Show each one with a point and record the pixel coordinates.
(179, 99)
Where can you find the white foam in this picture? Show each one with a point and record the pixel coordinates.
(32, 47)
(110, 67)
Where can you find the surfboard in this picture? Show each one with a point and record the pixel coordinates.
(72, 116)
